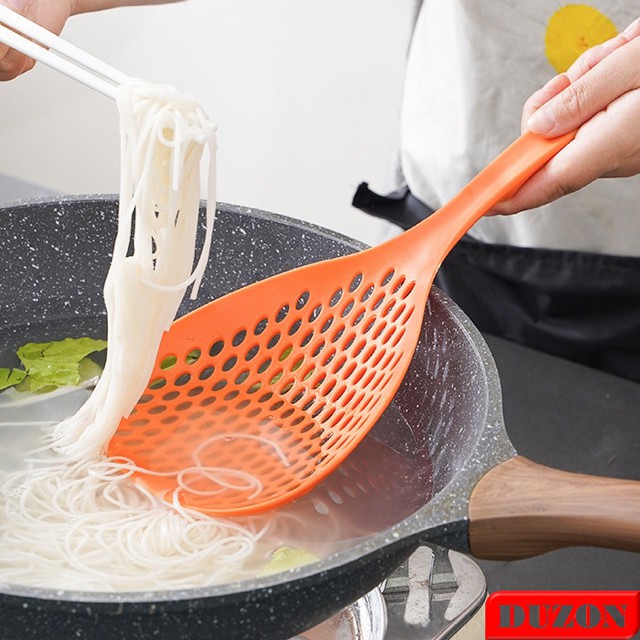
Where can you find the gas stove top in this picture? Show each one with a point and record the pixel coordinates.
(433, 595)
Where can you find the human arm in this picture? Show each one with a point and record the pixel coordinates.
(51, 14)
(600, 97)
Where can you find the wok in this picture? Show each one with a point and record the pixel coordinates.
(409, 481)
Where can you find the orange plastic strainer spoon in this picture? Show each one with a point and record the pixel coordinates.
(281, 379)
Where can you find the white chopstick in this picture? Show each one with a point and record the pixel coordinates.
(60, 54)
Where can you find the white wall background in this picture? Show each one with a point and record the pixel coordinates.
(305, 94)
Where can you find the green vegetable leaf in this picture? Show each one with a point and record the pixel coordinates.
(88, 369)
(58, 364)
(10, 377)
(45, 374)
(67, 350)
(286, 558)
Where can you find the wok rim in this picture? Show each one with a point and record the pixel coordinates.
(445, 514)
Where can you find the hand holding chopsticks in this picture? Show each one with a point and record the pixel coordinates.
(46, 47)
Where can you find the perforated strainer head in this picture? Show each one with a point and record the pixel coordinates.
(259, 395)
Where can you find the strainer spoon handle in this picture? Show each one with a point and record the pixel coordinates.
(432, 240)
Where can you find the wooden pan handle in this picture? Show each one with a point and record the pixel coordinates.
(521, 509)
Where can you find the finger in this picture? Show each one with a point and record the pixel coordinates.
(593, 56)
(589, 156)
(4, 49)
(12, 62)
(633, 30)
(12, 65)
(542, 188)
(549, 184)
(542, 96)
(50, 15)
(21, 6)
(612, 77)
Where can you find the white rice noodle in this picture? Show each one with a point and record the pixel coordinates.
(84, 527)
(163, 138)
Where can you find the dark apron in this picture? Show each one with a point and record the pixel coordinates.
(580, 306)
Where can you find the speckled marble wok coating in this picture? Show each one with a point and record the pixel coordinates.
(414, 471)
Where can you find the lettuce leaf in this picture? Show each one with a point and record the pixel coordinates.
(10, 377)
(286, 558)
(49, 365)
(63, 351)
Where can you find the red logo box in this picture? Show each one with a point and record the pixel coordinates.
(562, 615)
